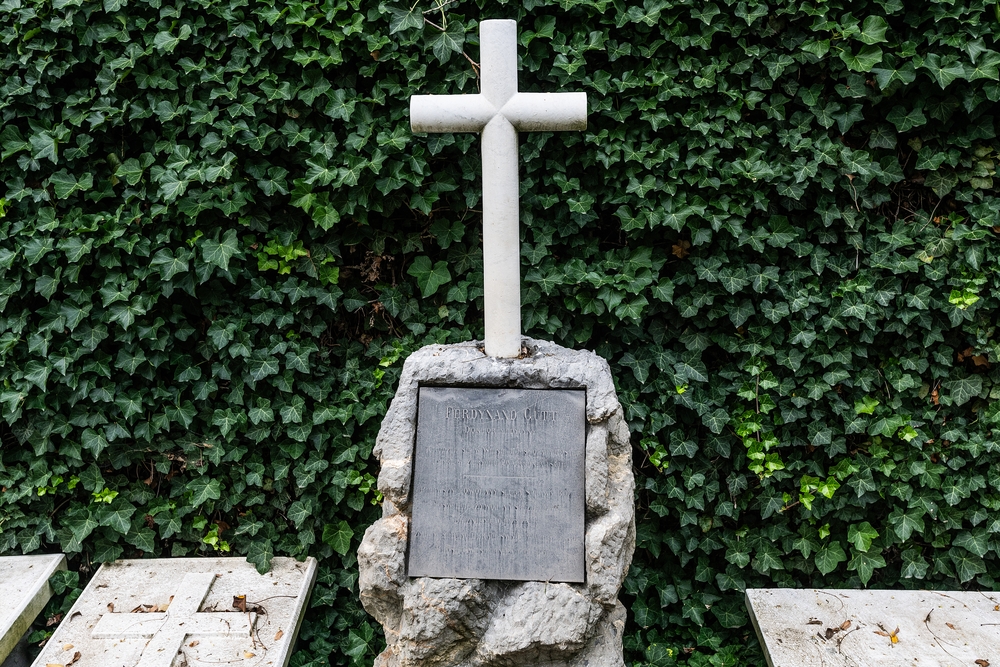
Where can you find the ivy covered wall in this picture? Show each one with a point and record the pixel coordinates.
(219, 241)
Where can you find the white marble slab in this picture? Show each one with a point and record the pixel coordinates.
(179, 612)
(24, 590)
(869, 628)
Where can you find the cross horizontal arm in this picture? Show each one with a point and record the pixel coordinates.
(120, 625)
(450, 113)
(546, 112)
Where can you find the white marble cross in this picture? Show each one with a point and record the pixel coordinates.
(499, 112)
(168, 630)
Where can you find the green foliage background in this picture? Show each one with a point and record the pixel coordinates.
(220, 240)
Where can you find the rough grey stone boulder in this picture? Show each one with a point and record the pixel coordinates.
(478, 623)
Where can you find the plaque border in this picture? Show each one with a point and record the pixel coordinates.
(413, 470)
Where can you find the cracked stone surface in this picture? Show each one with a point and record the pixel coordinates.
(482, 623)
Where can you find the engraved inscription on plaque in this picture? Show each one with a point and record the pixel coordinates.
(498, 484)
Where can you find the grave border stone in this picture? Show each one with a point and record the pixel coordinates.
(847, 627)
(448, 621)
(192, 590)
(34, 601)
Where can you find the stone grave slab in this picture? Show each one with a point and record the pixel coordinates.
(184, 612)
(499, 484)
(24, 590)
(876, 628)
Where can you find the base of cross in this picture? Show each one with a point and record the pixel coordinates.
(161, 612)
(502, 472)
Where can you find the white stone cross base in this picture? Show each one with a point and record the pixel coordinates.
(873, 628)
(24, 590)
(499, 112)
(180, 612)
(167, 631)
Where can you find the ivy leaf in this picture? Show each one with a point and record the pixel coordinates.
(967, 565)
(905, 118)
(429, 278)
(914, 565)
(767, 558)
(446, 42)
(218, 252)
(262, 365)
(165, 42)
(338, 537)
(987, 67)
(169, 264)
(866, 406)
(44, 145)
(976, 541)
(94, 442)
(172, 186)
(865, 564)
(861, 535)
(106, 551)
(143, 539)
(37, 373)
(64, 184)
(403, 19)
(260, 553)
(944, 69)
(126, 313)
(203, 489)
(904, 73)
(716, 420)
(862, 61)
(261, 412)
(341, 105)
(962, 390)
(298, 512)
(731, 613)
(359, 642)
(225, 419)
(905, 523)
(130, 170)
(293, 412)
(873, 30)
(117, 518)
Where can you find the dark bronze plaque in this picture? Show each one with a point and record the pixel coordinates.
(498, 484)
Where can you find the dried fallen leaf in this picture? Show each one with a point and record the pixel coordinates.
(76, 656)
(951, 626)
(194, 643)
(983, 663)
(240, 602)
(67, 647)
(111, 607)
(52, 620)
(54, 664)
(248, 654)
(846, 624)
(279, 634)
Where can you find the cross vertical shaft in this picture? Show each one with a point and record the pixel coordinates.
(499, 112)
(501, 212)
